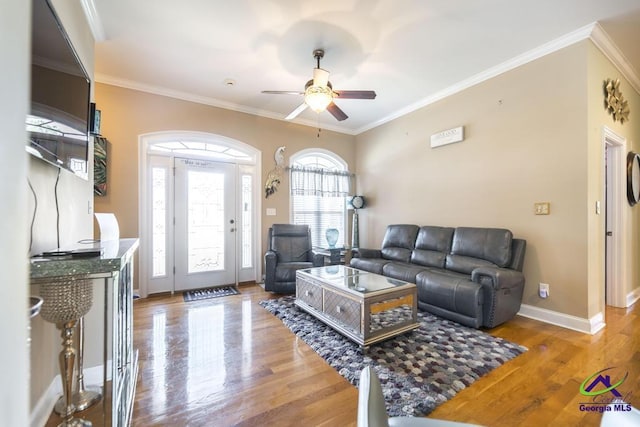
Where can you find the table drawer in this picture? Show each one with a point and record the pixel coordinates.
(343, 310)
(309, 294)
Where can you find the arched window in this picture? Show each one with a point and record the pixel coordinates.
(320, 184)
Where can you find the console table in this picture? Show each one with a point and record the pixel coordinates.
(120, 359)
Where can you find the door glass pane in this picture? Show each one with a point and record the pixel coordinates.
(205, 222)
(159, 221)
(247, 259)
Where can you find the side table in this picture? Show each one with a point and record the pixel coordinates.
(335, 256)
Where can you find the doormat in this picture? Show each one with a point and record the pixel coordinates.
(206, 293)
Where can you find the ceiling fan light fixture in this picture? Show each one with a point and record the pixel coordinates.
(318, 93)
(318, 98)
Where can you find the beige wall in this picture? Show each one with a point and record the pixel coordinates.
(532, 134)
(525, 142)
(127, 114)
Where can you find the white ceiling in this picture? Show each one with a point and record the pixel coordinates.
(411, 52)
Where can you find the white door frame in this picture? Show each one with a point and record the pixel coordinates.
(618, 246)
(145, 141)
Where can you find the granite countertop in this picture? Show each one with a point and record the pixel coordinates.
(115, 255)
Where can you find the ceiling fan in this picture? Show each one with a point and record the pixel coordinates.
(319, 94)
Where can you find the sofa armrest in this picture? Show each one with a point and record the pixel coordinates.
(270, 262)
(503, 290)
(498, 278)
(367, 253)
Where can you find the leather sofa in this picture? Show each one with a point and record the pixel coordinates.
(289, 250)
(469, 275)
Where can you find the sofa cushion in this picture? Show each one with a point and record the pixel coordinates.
(491, 244)
(466, 264)
(291, 242)
(286, 271)
(454, 294)
(432, 245)
(402, 271)
(396, 254)
(434, 238)
(399, 241)
(373, 265)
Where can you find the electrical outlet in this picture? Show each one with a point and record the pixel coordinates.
(543, 290)
(542, 208)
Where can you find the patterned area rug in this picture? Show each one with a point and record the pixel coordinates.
(418, 370)
(199, 294)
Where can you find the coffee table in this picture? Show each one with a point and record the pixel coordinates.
(365, 307)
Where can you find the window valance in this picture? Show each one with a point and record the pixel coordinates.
(307, 181)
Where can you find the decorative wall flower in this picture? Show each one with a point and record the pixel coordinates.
(270, 187)
(274, 176)
(614, 101)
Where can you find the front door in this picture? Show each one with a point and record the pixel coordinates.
(205, 223)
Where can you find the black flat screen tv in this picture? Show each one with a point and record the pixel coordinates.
(58, 123)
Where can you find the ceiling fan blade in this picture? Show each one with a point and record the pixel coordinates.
(337, 112)
(355, 94)
(283, 92)
(320, 77)
(292, 115)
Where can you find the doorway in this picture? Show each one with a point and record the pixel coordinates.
(616, 263)
(198, 212)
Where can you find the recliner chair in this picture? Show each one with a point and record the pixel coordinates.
(289, 250)
(372, 411)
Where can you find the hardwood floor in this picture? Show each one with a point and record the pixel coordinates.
(228, 362)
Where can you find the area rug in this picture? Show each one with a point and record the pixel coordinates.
(418, 370)
(200, 294)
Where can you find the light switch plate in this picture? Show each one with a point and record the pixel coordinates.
(542, 208)
(271, 212)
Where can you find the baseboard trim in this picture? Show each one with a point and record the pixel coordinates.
(42, 410)
(587, 326)
(633, 297)
(44, 406)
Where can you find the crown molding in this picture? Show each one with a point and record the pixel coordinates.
(186, 96)
(601, 39)
(517, 61)
(93, 18)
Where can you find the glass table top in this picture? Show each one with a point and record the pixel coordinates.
(352, 279)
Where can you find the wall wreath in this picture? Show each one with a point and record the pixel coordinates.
(614, 101)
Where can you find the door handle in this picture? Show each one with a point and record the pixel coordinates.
(609, 233)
